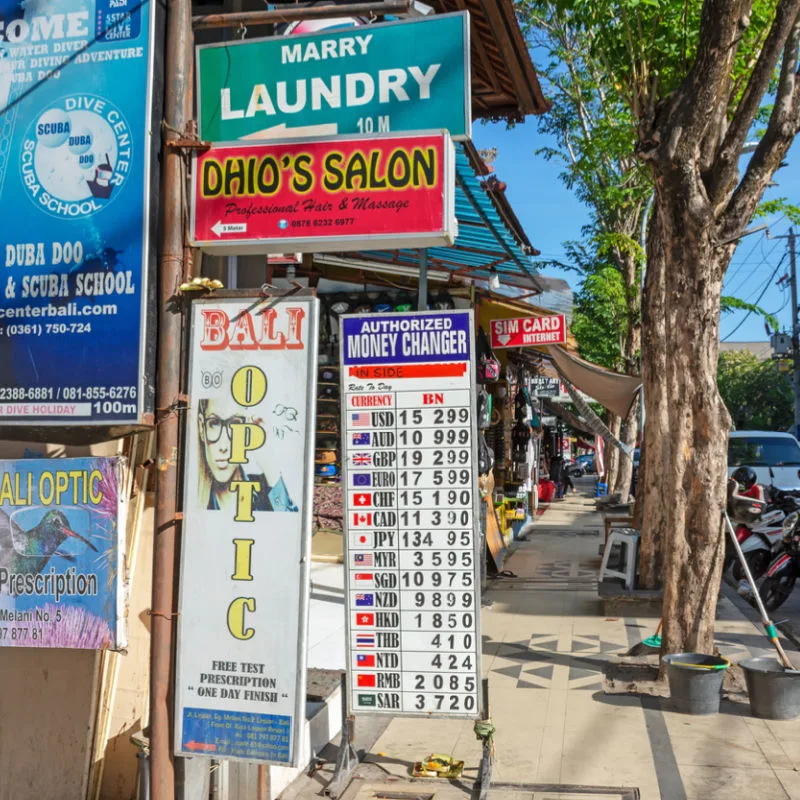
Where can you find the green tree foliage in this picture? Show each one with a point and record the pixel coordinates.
(757, 394)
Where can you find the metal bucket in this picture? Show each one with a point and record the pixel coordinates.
(695, 681)
(774, 691)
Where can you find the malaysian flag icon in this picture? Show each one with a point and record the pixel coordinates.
(362, 459)
(361, 439)
(362, 559)
(360, 420)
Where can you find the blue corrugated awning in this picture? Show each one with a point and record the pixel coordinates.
(484, 241)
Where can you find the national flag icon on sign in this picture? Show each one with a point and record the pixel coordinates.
(360, 420)
(362, 479)
(362, 459)
(365, 640)
(365, 681)
(366, 540)
(362, 520)
(362, 499)
(365, 599)
(362, 577)
(363, 559)
(365, 619)
(361, 439)
(363, 660)
(367, 700)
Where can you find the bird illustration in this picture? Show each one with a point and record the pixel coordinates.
(28, 551)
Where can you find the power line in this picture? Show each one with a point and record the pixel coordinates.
(755, 269)
(758, 299)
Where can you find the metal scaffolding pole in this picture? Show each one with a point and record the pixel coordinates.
(177, 112)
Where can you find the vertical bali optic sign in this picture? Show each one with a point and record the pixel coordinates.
(61, 568)
(75, 139)
(241, 664)
(342, 194)
(411, 542)
(397, 76)
(528, 331)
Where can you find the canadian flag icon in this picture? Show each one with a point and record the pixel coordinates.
(360, 520)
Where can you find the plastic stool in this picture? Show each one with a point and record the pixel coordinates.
(628, 540)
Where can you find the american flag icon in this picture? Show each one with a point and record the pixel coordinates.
(362, 459)
(361, 439)
(360, 420)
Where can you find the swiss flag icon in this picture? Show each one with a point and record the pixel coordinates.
(362, 519)
(363, 499)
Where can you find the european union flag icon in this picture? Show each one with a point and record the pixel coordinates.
(363, 479)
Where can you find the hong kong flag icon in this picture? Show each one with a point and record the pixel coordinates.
(362, 520)
(365, 619)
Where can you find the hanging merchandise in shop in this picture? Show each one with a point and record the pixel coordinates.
(411, 542)
(61, 569)
(529, 331)
(338, 195)
(75, 165)
(398, 76)
(244, 585)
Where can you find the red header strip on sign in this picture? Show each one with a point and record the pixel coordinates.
(409, 371)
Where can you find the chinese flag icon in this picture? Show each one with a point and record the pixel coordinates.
(365, 681)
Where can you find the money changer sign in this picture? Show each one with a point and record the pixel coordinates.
(240, 678)
(411, 543)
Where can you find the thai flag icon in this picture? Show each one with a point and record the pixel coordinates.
(362, 520)
(365, 640)
(362, 459)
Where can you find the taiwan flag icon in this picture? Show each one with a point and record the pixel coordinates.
(365, 681)
(363, 661)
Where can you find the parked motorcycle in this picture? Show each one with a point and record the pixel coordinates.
(758, 522)
(783, 571)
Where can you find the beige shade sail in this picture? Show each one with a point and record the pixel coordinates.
(612, 390)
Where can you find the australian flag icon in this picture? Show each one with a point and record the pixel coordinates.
(361, 439)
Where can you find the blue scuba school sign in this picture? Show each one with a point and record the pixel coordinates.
(75, 143)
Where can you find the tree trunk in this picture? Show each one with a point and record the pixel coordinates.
(630, 432)
(611, 453)
(698, 422)
(651, 494)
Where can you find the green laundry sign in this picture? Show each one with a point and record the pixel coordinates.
(396, 76)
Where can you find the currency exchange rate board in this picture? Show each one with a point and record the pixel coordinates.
(411, 528)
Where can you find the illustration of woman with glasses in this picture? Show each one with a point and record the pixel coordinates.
(215, 418)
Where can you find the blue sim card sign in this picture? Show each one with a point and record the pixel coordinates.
(76, 81)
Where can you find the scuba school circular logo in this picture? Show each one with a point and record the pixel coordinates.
(76, 156)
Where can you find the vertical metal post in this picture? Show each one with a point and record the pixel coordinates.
(795, 336)
(487, 758)
(422, 297)
(177, 111)
(347, 760)
(264, 790)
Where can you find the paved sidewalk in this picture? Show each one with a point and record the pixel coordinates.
(546, 644)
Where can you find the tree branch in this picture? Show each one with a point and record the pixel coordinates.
(781, 129)
(725, 170)
(686, 118)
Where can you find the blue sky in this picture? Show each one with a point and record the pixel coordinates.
(551, 215)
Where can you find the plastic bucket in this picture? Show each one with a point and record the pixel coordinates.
(695, 681)
(774, 691)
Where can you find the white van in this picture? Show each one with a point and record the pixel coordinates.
(763, 450)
